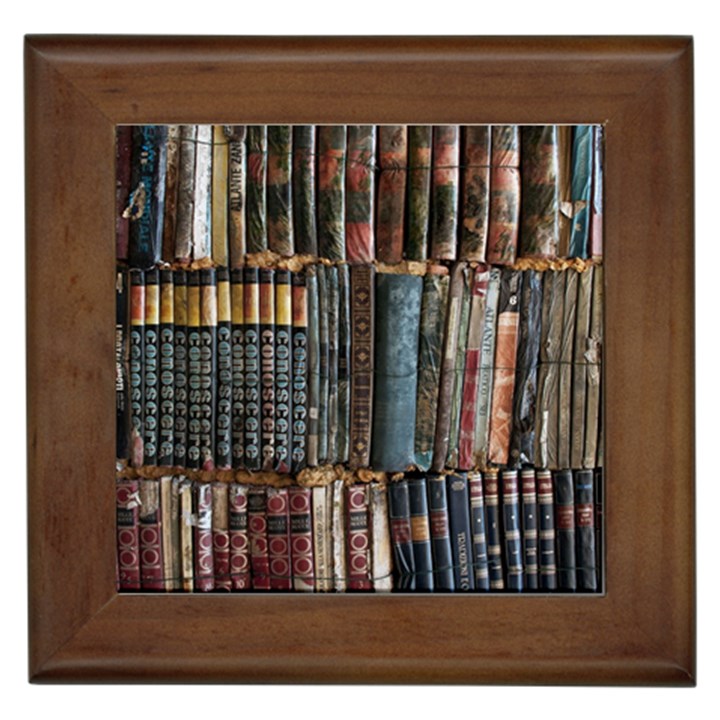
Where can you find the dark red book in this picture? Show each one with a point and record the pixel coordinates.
(221, 536)
(151, 554)
(278, 536)
(128, 533)
(257, 525)
(301, 539)
(358, 538)
(204, 562)
(239, 540)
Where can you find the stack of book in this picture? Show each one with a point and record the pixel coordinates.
(396, 329)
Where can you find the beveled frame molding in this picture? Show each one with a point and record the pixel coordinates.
(642, 631)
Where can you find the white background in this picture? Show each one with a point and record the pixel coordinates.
(364, 17)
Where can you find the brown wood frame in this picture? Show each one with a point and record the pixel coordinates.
(642, 631)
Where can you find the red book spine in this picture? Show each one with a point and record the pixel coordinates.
(151, 555)
(257, 524)
(278, 534)
(204, 565)
(301, 539)
(358, 538)
(128, 534)
(221, 536)
(239, 539)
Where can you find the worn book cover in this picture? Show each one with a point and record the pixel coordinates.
(504, 195)
(581, 189)
(338, 557)
(304, 189)
(301, 539)
(283, 371)
(220, 181)
(258, 532)
(417, 240)
(186, 532)
(166, 377)
(333, 307)
(565, 209)
(511, 530)
(529, 502)
(186, 194)
(359, 569)
(208, 366)
(223, 409)
(202, 201)
(151, 549)
(279, 190)
(420, 530)
(331, 148)
(324, 310)
(593, 358)
(580, 368)
(204, 558)
(475, 192)
(278, 535)
(170, 510)
(122, 357)
(460, 532)
(256, 189)
(443, 573)
(239, 536)
(493, 530)
(565, 528)
(266, 296)
(596, 210)
(180, 367)
(360, 190)
(313, 354)
(299, 374)
(221, 536)
(477, 527)
(565, 387)
(127, 511)
(381, 545)
(392, 181)
(151, 352)
(445, 198)
(235, 136)
(401, 533)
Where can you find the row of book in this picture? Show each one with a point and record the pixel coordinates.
(273, 370)
(517, 531)
(210, 194)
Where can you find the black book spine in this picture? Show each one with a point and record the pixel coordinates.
(237, 345)
(459, 512)
(252, 368)
(267, 367)
(193, 373)
(477, 525)
(511, 528)
(122, 406)
(283, 371)
(585, 529)
(180, 368)
(440, 533)
(529, 527)
(151, 366)
(299, 372)
(331, 275)
(208, 366)
(599, 523)
(401, 533)
(420, 529)
(223, 418)
(492, 529)
(166, 445)
(324, 365)
(548, 562)
(565, 522)
(344, 362)
(137, 341)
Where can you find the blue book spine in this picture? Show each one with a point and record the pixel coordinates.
(401, 534)
(585, 529)
(420, 529)
(529, 527)
(477, 524)
(565, 522)
(580, 190)
(440, 533)
(546, 519)
(459, 512)
(511, 527)
(492, 529)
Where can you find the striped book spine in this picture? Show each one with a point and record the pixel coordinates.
(546, 517)
(301, 539)
(278, 538)
(529, 527)
(235, 136)
(299, 370)
(401, 534)
(256, 189)
(221, 536)
(186, 194)
(151, 351)
(208, 366)
(460, 534)
(475, 192)
(127, 504)
(360, 190)
(239, 537)
(565, 524)
(445, 192)
(220, 178)
(331, 148)
(257, 529)
(584, 487)
(444, 576)
(303, 188)
(359, 570)
(237, 349)
(187, 533)
(267, 367)
(223, 410)
(392, 155)
(477, 525)
(418, 191)
(150, 519)
(492, 529)
(511, 528)
(251, 287)
(122, 339)
(504, 195)
(313, 355)
(193, 375)
(420, 530)
(180, 367)
(283, 371)
(202, 201)
(166, 424)
(204, 559)
(381, 545)
(279, 190)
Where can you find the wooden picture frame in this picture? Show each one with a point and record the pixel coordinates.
(640, 631)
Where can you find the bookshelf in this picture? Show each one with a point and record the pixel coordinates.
(78, 91)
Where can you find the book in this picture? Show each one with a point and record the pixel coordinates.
(546, 535)
(596, 210)
(150, 536)
(313, 355)
(583, 486)
(419, 180)
(219, 196)
(283, 371)
(475, 192)
(445, 197)
(256, 189)
(593, 357)
(204, 558)
(529, 503)
(565, 525)
(194, 351)
(299, 371)
(235, 136)
(324, 310)
(504, 195)
(420, 530)
(258, 534)
(333, 307)
(511, 530)
(180, 367)
(392, 181)
(360, 193)
(460, 534)
(185, 194)
(442, 560)
(381, 546)
(266, 297)
(238, 530)
(237, 355)
(202, 200)
(221, 536)
(123, 170)
(338, 557)
(565, 370)
(477, 528)
(224, 350)
(580, 368)
(493, 529)
(331, 148)
(252, 458)
(582, 157)
(122, 358)
(151, 367)
(301, 538)
(186, 532)
(344, 365)
(303, 189)
(127, 508)
(401, 534)
(359, 568)
(166, 375)
(564, 181)
(279, 190)
(278, 538)
(396, 357)
(208, 366)
(322, 537)
(170, 509)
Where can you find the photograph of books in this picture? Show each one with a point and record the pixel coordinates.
(359, 358)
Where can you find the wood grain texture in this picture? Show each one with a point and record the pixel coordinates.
(641, 631)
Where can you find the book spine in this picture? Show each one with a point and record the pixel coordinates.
(401, 534)
(432, 324)
(582, 156)
(127, 503)
(299, 370)
(358, 538)
(362, 344)
(122, 349)
(594, 371)
(267, 367)
(172, 168)
(159, 186)
(180, 367)
(396, 357)
(487, 368)
(221, 536)
(333, 306)
(339, 537)
(239, 538)
(151, 557)
(332, 145)
(279, 190)
(235, 136)
(169, 502)
(301, 539)
(256, 189)
(596, 213)
(522, 440)
(220, 177)
(511, 528)
(258, 531)
(473, 356)
(529, 528)
(548, 562)
(204, 559)
(420, 531)
(187, 534)
(322, 538)
(390, 224)
(344, 365)
(166, 444)
(144, 242)
(599, 526)
(251, 288)
(504, 375)
(151, 350)
(224, 409)
(492, 529)
(123, 170)
(580, 368)
(479, 536)
(208, 366)
(237, 345)
(444, 576)
(540, 231)
(564, 140)
(324, 383)
(504, 195)
(381, 545)
(584, 482)
(186, 194)
(202, 205)
(313, 354)
(453, 455)
(565, 524)
(278, 535)
(303, 187)
(475, 192)
(459, 512)
(447, 372)
(418, 191)
(283, 371)
(193, 374)
(360, 193)
(445, 192)
(565, 399)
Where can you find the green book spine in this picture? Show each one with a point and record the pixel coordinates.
(475, 192)
(445, 191)
(279, 190)
(256, 188)
(332, 145)
(392, 143)
(580, 368)
(565, 387)
(303, 189)
(418, 191)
